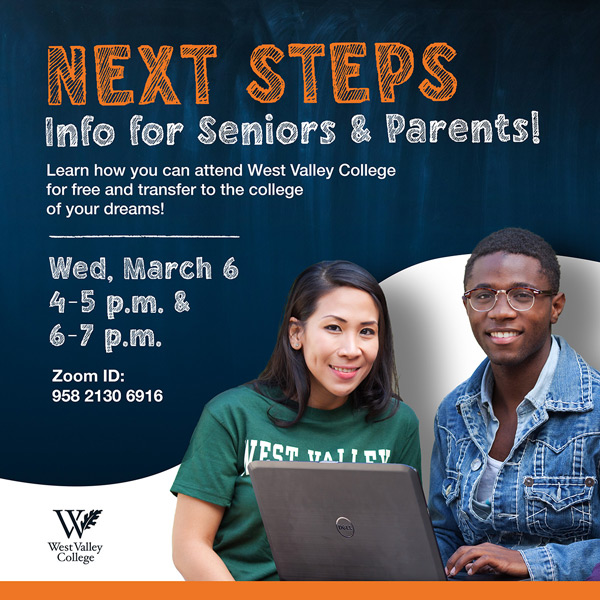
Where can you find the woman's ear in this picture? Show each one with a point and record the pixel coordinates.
(295, 331)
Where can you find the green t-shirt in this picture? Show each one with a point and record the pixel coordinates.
(234, 430)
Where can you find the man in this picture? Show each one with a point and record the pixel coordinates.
(516, 458)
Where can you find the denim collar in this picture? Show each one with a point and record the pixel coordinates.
(570, 388)
(537, 395)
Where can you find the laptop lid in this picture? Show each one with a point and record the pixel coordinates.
(346, 521)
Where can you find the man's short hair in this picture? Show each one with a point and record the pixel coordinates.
(513, 240)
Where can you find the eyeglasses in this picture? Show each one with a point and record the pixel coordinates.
(519, 298)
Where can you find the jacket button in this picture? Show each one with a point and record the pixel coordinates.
(476, 464)
(589, 482)
(528, 481)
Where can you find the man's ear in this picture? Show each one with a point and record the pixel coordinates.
(295, 333)
(558, 303)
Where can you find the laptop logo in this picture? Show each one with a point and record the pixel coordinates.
(344, 527)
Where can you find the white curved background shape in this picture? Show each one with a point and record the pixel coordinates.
(435, 349)
(134, 530)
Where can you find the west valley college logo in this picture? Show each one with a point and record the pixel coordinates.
(78, 522)
(75, 523)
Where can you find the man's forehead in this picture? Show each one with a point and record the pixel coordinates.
(508, 267)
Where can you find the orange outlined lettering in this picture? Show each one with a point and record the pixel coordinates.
(431, 62)
(307, 53)
(107, 72)
(342, 70)
(388, 78)
(200, 54)
(157, 81)
(72, 75)
(276, 84)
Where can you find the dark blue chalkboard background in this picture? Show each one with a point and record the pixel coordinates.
(512, 58)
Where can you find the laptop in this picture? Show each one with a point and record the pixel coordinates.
(346, 521)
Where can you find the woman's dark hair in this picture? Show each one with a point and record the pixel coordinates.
(286, 376)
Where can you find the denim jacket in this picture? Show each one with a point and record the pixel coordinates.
(546, 501)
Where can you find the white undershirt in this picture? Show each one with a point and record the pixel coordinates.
(488, 478)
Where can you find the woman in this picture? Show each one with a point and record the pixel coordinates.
(327, 393)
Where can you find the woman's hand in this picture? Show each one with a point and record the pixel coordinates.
(487, 558)
(196, 524)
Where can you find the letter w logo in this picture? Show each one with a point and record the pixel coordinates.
(79, 526)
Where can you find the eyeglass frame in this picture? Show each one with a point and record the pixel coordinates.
(534, 291)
